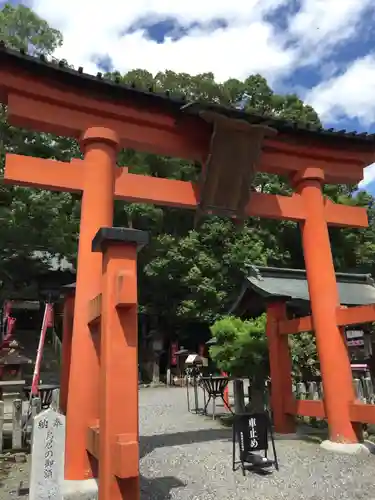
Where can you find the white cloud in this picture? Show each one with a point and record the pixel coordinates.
(320, 24)
(199, 53)
(248, 45)
(368, 176)
(349, 95)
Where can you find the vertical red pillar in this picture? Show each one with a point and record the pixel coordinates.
(118, 379)
(324, 298)
(280, 367)
(68, 312)
(100, 147)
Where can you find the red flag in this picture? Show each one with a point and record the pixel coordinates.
(201, 350)
(38, 361)
(50, 317)
(7, 308)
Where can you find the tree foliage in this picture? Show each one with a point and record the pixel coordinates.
(241, 349)
(305, 366)
(32, 220)
(241, 346)
(22, 29)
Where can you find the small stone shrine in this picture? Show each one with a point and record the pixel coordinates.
(48, 456)
(12, 364)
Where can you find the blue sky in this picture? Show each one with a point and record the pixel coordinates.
(323, 50)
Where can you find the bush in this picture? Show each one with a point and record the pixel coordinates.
(241, 347)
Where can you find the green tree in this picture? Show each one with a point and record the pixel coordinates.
(32, 220)
(241, 346)
(241, 350)
(305, 366)
(22, 29)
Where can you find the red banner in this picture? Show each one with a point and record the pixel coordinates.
(50, 317)
(201, 350)
(174, 349)
(10, 323)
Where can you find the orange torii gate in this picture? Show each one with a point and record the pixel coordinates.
(102, 440)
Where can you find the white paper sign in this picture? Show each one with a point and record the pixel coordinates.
(354, 334)
(193, 358)
(47, 456)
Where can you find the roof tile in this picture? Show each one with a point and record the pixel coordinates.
(102, 84)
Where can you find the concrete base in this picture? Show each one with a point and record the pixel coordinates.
(348, 449)
(370, 446)
(80, 490)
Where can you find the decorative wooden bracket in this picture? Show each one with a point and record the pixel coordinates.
(126, 291)
(125, 454)
(93, 439)
(95, 310)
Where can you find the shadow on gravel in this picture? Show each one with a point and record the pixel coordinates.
(159, 488)
(149, 443)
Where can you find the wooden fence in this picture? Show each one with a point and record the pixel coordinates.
(314, 391)
(16, 430)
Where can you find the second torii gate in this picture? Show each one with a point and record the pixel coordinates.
(231, 146)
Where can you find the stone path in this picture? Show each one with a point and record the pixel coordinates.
(188, 457)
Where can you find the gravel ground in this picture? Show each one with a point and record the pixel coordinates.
(187, 457)
(11, 475)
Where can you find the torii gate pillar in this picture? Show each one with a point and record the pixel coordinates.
(324, 299)
(100, 146)
(68, 315)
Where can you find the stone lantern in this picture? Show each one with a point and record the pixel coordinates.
(12, 364)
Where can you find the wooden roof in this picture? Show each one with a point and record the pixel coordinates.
(290, 285)
(114, 89)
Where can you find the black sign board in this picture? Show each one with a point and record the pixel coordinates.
(252, 431)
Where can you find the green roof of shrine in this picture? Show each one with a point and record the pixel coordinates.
(115, 89)
(264, 283)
